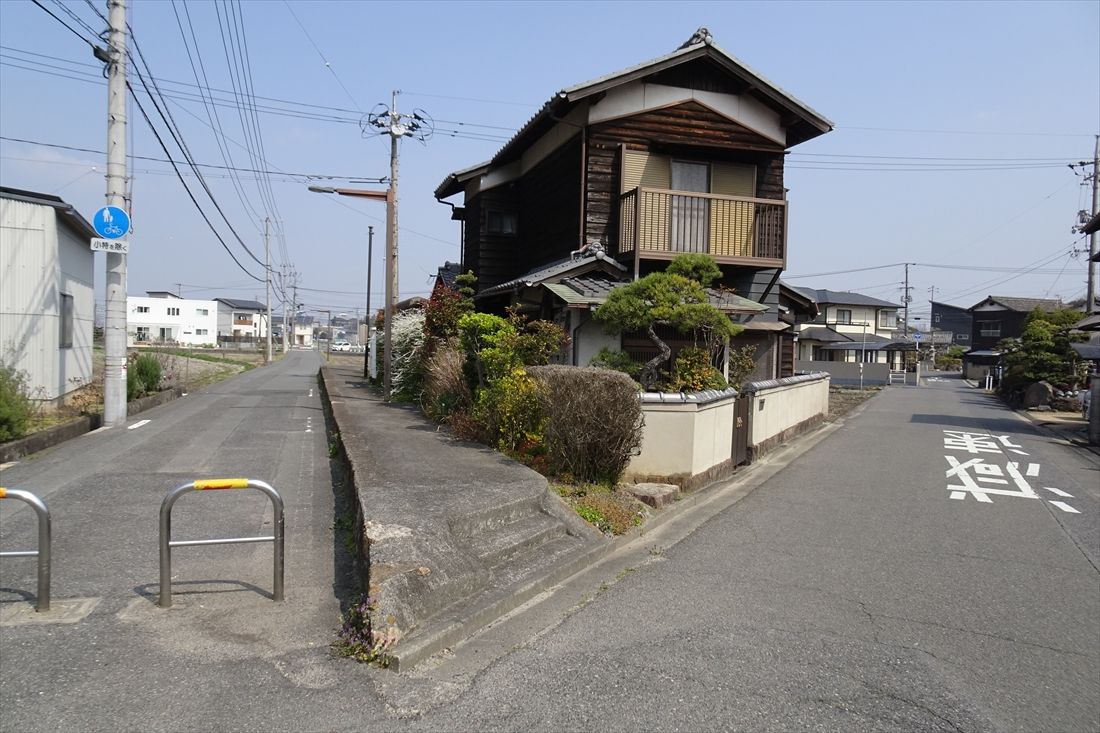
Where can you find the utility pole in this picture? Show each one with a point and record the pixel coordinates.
(905, 298)
(369, 315)
(1090, 304)
(114, 378)
(267, 284)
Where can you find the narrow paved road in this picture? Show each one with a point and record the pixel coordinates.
(850, 592)
(225, 656)
(859, 588)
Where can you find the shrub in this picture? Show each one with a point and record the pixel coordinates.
(134, 387)
(478, 336)
(147, 370)
(15, 403)
(694, 372)
(509, 409)
(593, 420)
(618, 361)
(445, 388)
(407, 380)
(741, 365)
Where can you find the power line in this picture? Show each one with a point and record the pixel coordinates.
(72, 30)
(322, 55)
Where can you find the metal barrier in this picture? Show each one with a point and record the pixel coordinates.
(43, 551)
(166, 543)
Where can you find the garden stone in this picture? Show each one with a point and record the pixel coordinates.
(1038, 394)
(655, 495)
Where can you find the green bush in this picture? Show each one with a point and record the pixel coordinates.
(593, 421)
(509, 409)
(618, 361)
(694, 372)
(15, 403)
(148, 372)
(134, 387)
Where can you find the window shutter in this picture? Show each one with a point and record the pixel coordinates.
(642, 169)
(731, 222)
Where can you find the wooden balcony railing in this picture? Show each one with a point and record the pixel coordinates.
(660, 224)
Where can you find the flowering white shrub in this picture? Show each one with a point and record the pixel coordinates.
(408, 354)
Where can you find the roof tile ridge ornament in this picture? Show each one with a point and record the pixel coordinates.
(701, 35)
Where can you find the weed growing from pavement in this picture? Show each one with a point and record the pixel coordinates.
(334, 445)
(344, 526)
(603, 507)
(358, 639)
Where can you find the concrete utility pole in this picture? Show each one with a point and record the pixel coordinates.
(905, 298)
(114, 378)
(267, 284)
(1090, 304)
(369, 315)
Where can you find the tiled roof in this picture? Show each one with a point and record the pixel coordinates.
(250, 305)
(553, 270)
(822, 334)
(836, 297)
(449, 273)
(1025, 305)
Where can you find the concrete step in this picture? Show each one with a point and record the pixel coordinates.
(513, 583)
(494, 547)
(492, 518)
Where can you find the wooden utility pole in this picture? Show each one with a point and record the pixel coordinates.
(369, 314)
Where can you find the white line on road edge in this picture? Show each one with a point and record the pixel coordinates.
(9, 464)
(311, 392)
(138, 424)
(1059, 492)
(1065, 507)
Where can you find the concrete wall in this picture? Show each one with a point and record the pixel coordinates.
(687, 439)
(41, 259)
(845, 373)
(783, 408)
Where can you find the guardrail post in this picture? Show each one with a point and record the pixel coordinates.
(166, 542)
(44, 539)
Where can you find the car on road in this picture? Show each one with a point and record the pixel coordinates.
(339, 345)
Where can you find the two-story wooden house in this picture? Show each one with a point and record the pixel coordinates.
(995, 318)
(613, 178)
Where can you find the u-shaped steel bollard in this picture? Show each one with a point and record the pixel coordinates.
(166, 543)
(44, 538)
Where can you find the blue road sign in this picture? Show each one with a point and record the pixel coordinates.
(111, 222)
(916, 336)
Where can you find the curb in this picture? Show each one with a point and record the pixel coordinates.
(58, 434)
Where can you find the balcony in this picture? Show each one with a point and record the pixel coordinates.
(659, 224)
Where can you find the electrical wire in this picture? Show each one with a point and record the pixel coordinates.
(72, 30)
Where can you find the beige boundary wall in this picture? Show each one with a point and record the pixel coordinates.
(784, 408)
(687, 439)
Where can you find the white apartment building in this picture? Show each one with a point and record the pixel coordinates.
(164, 317)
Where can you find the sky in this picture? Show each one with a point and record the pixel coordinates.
(955, 127)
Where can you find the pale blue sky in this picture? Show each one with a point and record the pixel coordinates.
(917, 81)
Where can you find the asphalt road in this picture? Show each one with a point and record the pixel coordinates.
(848, 591)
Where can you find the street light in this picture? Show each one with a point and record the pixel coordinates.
(391, 271)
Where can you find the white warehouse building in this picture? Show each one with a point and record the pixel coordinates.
(163, 317)
(46, 292)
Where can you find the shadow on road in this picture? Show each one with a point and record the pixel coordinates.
(986, 425)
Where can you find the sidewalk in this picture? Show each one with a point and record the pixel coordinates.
(456, 534)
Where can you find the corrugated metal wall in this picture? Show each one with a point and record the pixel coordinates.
(34, 267)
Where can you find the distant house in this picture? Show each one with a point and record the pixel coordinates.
(241, 319)
(162, 317)
(851, 327)
(959, 321)
(682, 153)
(46, 292)
(301, 333)
(994, 318)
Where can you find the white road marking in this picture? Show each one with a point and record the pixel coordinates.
(310, 391)
(1065, 507)
(1059, 492)
(1033, 469)
(7, 465)
(99, 430)
(138, 424)
(961, 495)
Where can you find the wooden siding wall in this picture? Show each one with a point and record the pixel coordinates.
(690, 131)
(549, 215)
(496, 254)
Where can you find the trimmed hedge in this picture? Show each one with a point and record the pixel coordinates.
(593, 420)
